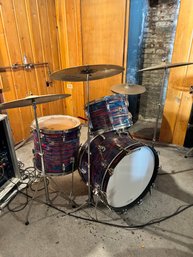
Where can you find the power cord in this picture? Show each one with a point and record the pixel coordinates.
(179, 210)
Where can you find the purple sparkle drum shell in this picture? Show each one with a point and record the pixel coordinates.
(121, 167)
(60, 140)
(109, 113)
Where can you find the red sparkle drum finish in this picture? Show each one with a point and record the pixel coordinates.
(60, 142)
(122, 168)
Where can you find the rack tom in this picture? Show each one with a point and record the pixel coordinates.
(108, 113)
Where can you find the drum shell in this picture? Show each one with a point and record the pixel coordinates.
(60, 150)
(106, 152)
(108, 113)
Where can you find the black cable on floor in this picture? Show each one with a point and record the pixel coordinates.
(138, 226)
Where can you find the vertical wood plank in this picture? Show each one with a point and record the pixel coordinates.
(103, 35)
(178, 102)
(30, 28)
(69, 26)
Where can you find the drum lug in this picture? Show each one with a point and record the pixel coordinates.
(110, 171)
(63, 167)
(151, 188)
(101, 148)
(104, 164)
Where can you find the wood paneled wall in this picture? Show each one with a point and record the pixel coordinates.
(65, 33)
(179, 101)
(104, 29)
(28, 27)
(95, 32)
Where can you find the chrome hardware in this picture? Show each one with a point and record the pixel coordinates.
(101, 148)
(110, 171)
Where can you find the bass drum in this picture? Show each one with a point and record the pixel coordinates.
(121, 167)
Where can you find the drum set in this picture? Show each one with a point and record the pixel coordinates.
(111, 162)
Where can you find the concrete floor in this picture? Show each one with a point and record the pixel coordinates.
(52, 233)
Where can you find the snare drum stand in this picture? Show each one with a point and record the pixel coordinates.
(41, 154)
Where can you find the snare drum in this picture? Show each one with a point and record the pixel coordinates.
(122, 168)
(109, 113)
(60, 136)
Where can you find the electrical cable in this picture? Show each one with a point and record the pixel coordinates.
(137, 226)
(18, 209)
(179, 210)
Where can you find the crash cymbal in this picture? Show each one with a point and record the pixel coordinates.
(128, 89)
(79, 73)
(29, 100)
(166, 66)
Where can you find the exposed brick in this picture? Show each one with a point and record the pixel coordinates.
(158, 39)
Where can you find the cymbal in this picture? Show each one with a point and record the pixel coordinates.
(79, 73)
(29, 100)
(128, 89)
(166, 66)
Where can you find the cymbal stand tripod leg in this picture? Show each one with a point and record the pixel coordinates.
(190, 151)
(159, 107)
(71, 196)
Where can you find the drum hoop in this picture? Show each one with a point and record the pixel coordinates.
(121, 154)
(52, 132)
(105, 98)
(61, 132)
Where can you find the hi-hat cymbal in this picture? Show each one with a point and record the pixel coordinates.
(29, 100)
(80, 73)
(166, 66)
(128, 89)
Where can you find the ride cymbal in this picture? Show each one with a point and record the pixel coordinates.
(128, 89)
(29, 100)
(166, 66)
(92, 72)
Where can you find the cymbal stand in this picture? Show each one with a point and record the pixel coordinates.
(159, 106)
(90, 198)
(41, 151)
(43, 175)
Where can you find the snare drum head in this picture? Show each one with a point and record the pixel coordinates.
(53, 123)
(131, 177)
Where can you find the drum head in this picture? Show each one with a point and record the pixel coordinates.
(54, 123)
(131, 177)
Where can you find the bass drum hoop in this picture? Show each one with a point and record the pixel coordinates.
(119, 157)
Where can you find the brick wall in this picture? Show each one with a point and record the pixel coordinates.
(159, 33)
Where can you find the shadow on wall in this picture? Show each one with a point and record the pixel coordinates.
(166, 134)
